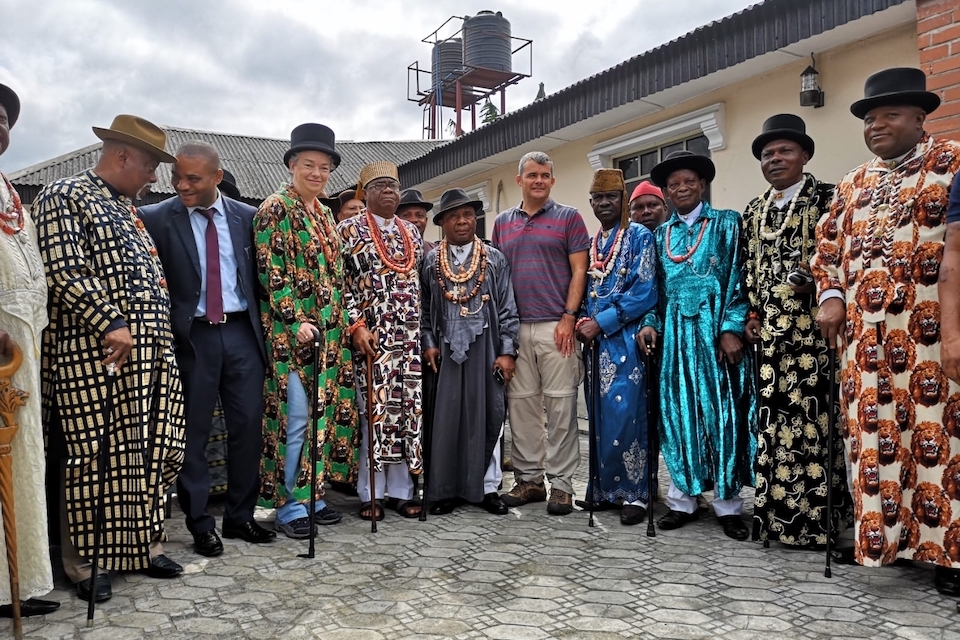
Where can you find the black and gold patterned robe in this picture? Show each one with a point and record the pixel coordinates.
(791, 497)
(101, 267)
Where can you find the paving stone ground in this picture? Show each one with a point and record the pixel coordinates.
(524, 576)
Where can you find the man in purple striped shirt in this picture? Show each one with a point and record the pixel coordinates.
(546, 244)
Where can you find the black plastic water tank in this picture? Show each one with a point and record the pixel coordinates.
(446, 61)
(486, 42)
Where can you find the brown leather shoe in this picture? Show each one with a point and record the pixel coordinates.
(525, 492)
(560, 503)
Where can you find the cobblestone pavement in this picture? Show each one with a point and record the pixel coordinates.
(526, 575)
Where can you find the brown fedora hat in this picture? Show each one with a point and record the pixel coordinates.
(139, 133)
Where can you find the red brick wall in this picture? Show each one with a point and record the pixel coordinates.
(938, 38)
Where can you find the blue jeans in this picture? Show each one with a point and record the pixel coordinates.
(298, 415)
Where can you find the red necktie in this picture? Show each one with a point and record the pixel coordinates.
(214, 291)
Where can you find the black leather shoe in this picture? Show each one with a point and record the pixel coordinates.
(676, 519)
(207, 543)
(443, 507)
(104, 590)
(947, 581)
(493, 503)
(632, 514)
(249, 532)
(734, 528)
(163, 568)
(30, 607)
(603, 505)
(843, 555)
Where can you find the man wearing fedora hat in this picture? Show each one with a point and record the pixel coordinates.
(705, 385)
(300, 264)
(205, 243)
(23, 315)
(382, 255)
(779, 238)
(879, 280)
(110, 309)
(414, 209)
(469, 335)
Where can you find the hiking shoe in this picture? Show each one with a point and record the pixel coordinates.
(524, 492)
(560, 503)
(297, 529)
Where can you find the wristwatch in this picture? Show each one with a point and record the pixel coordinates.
(571, 312)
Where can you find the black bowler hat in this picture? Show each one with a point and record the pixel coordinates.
(413, 198)
(454, 199)
(900, 85)
(10, 102)
(783, 126)
(701, 165)
(228, 186)
(312, 137)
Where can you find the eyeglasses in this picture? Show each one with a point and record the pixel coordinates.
(383, 185)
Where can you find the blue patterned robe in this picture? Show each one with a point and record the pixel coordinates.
(617, 303)
(707, 423)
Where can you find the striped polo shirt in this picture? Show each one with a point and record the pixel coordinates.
(538, 248)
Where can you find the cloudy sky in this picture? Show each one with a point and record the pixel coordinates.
(260, 67)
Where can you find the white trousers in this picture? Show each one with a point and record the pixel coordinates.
(394, 480)
(493, 475)
(679, 501)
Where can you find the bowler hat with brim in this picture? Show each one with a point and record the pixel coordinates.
(312, 137)
(454, 199)
(137, 132)
(701, 165)
(783, 126)
(228, 186)
(10, 102)
(413, 198)
(896, 86)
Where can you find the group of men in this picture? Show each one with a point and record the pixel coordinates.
(156, 313)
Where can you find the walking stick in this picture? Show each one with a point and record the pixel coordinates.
(98, 515)
(593, 415)
(756, 385)
(10, 399)
(313, 446)
(370, 456)
(651, 426)
(831, 427)
(429, 398)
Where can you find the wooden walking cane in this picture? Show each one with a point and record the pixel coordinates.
(831, 427)
(98, 515)
(370, 438)
(592, 417)
(311, 550)
(756, 386)
(430, 380)
(652, 454)
(11, 399)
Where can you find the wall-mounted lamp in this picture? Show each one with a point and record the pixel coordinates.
(811, 95)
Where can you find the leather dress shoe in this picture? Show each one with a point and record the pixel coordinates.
(632, 514)
(603, 505)
(493, 503)
(207, 543)
(734, 528)
(676, 519)
(30, 607)
(103, 591)
(443, 507)
(249, 531)
(163, 568)
(947, 581)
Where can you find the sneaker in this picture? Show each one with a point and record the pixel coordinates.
(296, 529)
(560, 503)
(327, 516)
(524, 492)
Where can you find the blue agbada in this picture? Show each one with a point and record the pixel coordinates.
(707, 423)
(617, 302)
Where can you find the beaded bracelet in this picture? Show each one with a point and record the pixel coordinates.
(356, 325)
(753, 315)
(580, 323)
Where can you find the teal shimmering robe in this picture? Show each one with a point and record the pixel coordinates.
(707, 422)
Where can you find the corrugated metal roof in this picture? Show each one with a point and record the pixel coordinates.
(759, 29)
(257, 163)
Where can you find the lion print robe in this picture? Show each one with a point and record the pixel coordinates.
(881, 246)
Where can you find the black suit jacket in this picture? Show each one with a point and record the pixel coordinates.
(168, 222)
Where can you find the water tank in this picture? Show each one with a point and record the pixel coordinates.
(446, 63)
(486, 42)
